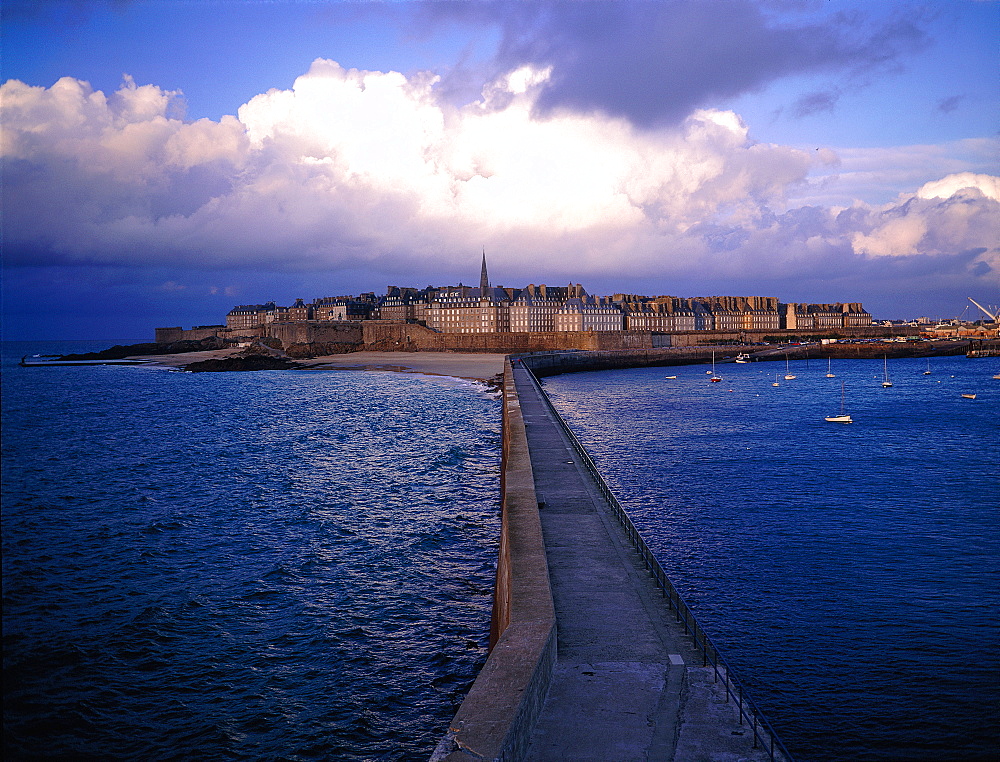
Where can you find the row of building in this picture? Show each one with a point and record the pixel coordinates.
(495, 309)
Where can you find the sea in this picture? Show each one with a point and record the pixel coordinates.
(291, 565)
(274, 565)
(849, 573)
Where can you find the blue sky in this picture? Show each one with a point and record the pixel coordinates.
(196, 155)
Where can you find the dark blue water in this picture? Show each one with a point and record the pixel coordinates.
(849, 573)
(271, 565)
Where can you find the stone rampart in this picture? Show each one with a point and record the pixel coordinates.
(175, 334)
(389, 336)
(332, 337)
(347, 332)
(554, 363)
(498, 715)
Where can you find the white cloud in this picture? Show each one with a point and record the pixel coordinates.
(356, 168)
(899, 236)
(948, 186)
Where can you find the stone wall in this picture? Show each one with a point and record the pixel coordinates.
(388, 336)
(333, 337)
(498, 715)
(702, 338)
(175, 334)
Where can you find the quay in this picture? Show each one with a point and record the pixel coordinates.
(594, 655)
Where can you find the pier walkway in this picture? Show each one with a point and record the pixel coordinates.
(628, 683)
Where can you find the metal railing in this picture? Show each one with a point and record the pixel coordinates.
(763, 733)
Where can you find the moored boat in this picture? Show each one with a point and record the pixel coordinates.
(843, 417)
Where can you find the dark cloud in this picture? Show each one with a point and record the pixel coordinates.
(653, 62)
(816, 103)
(949, 104)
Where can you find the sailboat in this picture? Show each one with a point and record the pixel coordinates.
(886, 383)
(788, 373)
(843, 417)
(775, 380)
(928, 371)
(829, 371)
(714, 377)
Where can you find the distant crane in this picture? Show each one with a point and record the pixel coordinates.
(992, 315)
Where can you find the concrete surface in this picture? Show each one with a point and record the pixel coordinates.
(628, 684)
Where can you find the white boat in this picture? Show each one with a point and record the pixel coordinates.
(670, 376)
(775, 380)
(886, 383)
(928, 371)
(714, 378)
(829, 370)
(742, 358)
(788, 373)
(843, 417)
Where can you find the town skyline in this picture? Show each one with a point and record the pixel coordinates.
(163, 161)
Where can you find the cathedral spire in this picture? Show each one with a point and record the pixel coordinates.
(484, 279)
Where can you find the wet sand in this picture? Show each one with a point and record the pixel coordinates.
(480, 367)
(475, 366)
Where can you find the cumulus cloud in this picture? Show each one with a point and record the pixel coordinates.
(367, 169)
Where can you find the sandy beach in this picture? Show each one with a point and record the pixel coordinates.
(480, 367)
(475, 366)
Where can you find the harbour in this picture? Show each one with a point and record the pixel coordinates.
(738, 545)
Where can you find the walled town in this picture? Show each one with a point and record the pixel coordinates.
(534, 318)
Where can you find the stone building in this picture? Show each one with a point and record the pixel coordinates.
(405, 305)
(300, 311)
(362, 307)
(590, 313)
(534, 309)
(462, 309)
(818, 317)
(249, 316)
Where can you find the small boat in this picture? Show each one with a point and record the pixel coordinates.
(670, 376)
(742, 358)
(788, 373)
(928, 371)
(996, 376)
(829, 371)
(775, 380)
(843, 417)
(714, 378)
(886, 383)
(969, 396)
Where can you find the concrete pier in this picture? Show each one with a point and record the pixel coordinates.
(624, 679)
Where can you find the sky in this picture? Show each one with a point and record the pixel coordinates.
(166, 160)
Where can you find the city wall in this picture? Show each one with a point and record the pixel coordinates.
(313, 337)
(175, 334)
(408, 337)
(496, 719)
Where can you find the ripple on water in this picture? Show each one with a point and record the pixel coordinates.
(847, 572)
(262, 565)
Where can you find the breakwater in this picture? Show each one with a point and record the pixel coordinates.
(751, 503)
(632, 674)
(498, 714)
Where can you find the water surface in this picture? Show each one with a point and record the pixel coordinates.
(271, 565)
(849, 573)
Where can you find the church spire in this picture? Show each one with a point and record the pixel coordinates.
(484, 279)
